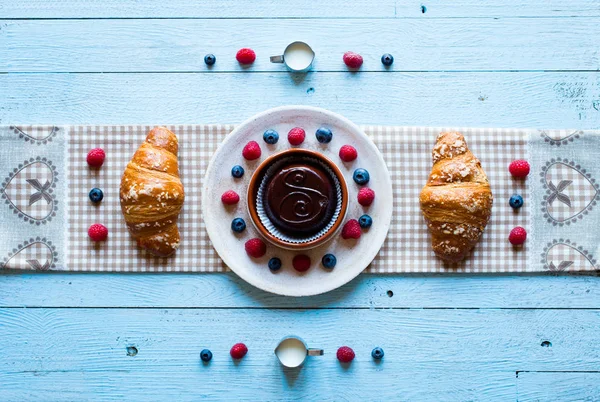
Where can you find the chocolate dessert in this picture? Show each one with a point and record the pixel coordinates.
(300, 199)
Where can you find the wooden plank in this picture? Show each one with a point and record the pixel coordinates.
(556, 100)
(367, 291)
(296, 8)
(534, 44)
(558, 386)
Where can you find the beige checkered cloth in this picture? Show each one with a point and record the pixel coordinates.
(406, 150)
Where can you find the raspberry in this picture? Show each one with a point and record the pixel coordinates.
(255, 248)
(230, 197)
(351, 230)
(296, 136)
(353, 60)
(348, 153)
(98, 232)
(519, 168)
(238, 351)
(301, 263)
(366, 196)
(517, 236)
(345, 354)
(245, 56)
(95, 158)
(251, 151)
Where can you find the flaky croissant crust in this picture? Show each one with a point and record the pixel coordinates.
(152, 194)
(457, 199)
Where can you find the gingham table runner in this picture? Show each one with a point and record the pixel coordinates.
(45, 210)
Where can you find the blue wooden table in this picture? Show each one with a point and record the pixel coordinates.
(495, 63)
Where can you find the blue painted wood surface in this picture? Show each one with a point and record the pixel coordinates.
(469, 63)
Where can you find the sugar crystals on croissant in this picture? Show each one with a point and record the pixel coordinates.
(152, 194)
(457, 199)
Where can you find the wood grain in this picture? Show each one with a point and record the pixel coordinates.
(558, 386)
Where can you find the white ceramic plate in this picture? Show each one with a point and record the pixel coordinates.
(352, 256)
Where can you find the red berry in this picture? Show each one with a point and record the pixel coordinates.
(95, 158)
(255, 248)
(230, 197)
(351, 230)
(366, 196)
(238, 351)
(348, 153)
(517, 236)
(519, 168)
(296, 136)
(345, 354)
(245, 56)
(251, 151)
(353, 60)
(98, 232)
(301, 263)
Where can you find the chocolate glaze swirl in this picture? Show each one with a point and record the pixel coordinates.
(300, 199)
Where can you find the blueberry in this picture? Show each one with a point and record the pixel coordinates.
(377, 353)
(361, 176)
(329, 260)
(387, 59)
(274, 264)
(516, 201)
(238, 225)
(324, 135)
(206, 355)
(210, 59)
(96, 195)
(237, 171)
(365, 221)
(271, 137)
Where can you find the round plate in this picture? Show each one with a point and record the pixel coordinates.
(353, 256)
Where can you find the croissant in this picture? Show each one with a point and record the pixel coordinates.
(457, 199)
(152, 194)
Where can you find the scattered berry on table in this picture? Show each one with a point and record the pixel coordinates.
(365, 221)
(98, 232)
(348, 153)
(345, 354)
(96, 195)
(255, 248)
(245, 56)
(210, 59)
(301, 263)
(516, 201)
(230, 197)
(95, 158)
(238, 351)
(517, 236)
(351, 230)
(237, 171)
(377, 353)
(361, 176)
(324, 135)
(251, 151)
(387, 59)
(296, 136)
(519, 168)
(366, 196)
(329, 261)
(274, 264)
(353, 60)
(206, 355)
(271, 136)
(238, 225)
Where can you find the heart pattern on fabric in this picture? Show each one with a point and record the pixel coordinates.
(35, 135)
(571, 192)
(560, 137)
(29, 190)
(564, 255)
(34, 254)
